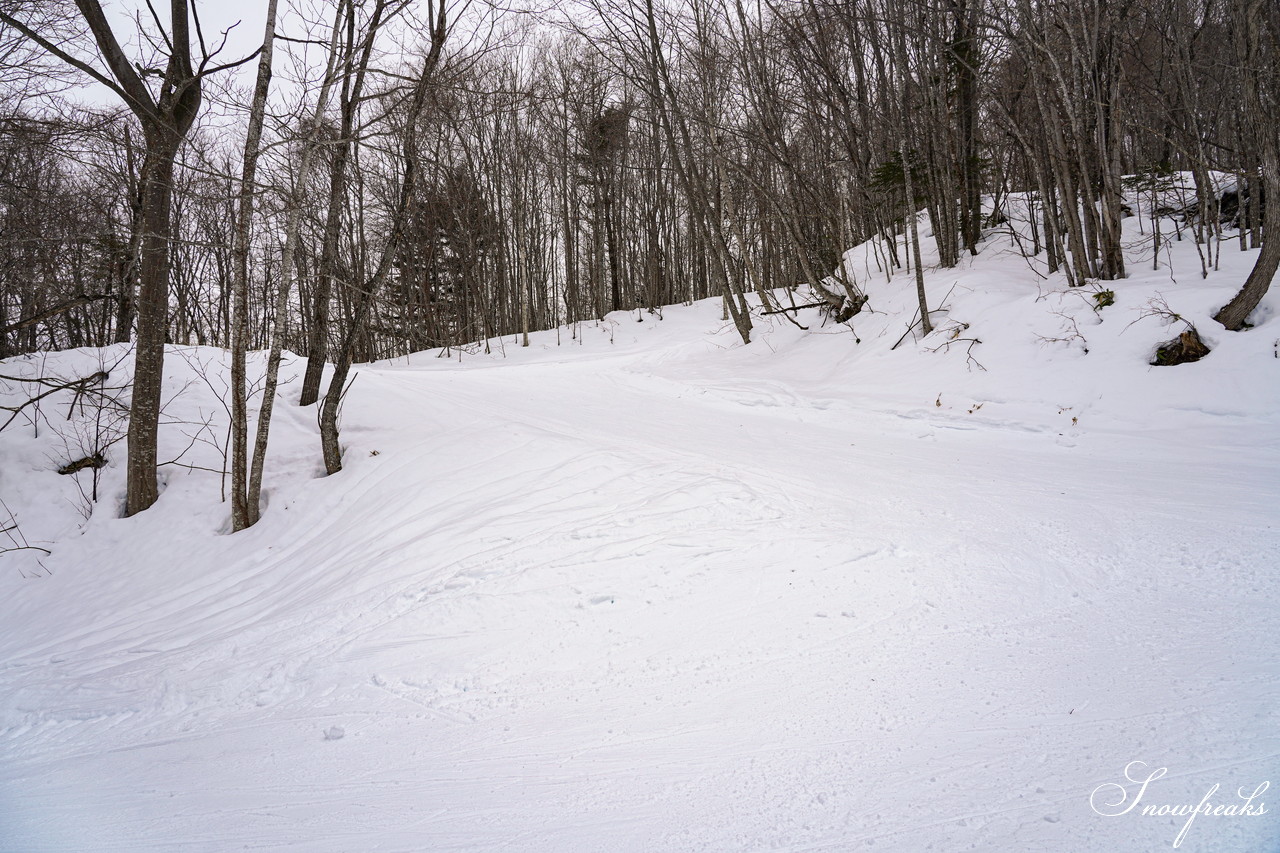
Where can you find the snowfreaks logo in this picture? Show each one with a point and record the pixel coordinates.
(1112, 800)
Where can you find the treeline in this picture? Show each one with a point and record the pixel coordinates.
(616, 155)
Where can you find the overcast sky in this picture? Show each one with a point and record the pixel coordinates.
(242, 20)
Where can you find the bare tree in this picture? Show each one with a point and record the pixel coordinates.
(244, 512)
(166, 108)
(437, 33)
(1258, 49)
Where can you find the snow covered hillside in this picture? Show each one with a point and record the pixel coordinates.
(642, 588)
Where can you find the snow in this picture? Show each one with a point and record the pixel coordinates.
(651, 590)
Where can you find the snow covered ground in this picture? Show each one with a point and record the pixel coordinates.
(651, 590)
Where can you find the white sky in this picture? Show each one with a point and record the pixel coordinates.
(242, 20)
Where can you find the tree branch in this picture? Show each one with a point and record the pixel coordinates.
(58, 52)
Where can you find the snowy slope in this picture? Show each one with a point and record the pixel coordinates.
(651, 590)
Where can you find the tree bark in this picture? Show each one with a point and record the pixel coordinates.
(353, 88)
(244, 507)
(165, 118)
(1234, 314)
(329, 406)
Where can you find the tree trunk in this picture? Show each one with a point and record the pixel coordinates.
(353, 87)
(329, 444)
(1234, 313)
(244, 510)
(153, 317)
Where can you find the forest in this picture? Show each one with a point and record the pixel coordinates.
(381, 177)
(644, 426)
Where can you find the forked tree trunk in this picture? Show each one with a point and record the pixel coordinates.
(280, 315)
(244, 511)
(329, 406)
(165, 118)
(352, 90)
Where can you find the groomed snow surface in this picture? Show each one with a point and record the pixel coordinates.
(638, 587)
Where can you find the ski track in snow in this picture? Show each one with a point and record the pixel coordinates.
(609, 603)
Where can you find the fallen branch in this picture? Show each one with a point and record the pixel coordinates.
(945, 346)
(80, 386)
(793, 308)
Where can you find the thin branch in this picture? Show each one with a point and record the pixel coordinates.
(58, 52)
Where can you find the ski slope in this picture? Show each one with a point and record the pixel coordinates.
(638, 587)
